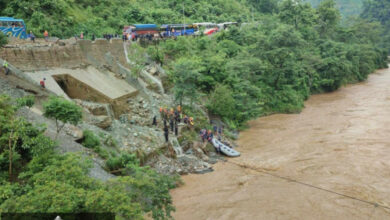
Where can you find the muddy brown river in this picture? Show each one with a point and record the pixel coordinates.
(332, 161)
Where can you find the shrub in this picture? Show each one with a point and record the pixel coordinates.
(3, 39)
(90, 140)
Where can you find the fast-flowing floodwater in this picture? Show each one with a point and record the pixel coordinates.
(332, 161)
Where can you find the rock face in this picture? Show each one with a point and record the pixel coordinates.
(65, 54)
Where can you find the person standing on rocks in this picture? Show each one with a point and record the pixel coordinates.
(82, 36)
(176, 129)
(32, 37)
(166, 133)
(46, 35)
(171, 123)
(5, 66)
(154, 121)
(42, 83)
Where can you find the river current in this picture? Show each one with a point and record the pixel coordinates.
(331, 161)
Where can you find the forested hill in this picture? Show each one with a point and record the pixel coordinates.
(346, 7)
(379, 11)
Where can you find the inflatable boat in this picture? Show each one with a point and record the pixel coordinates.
(225, 149)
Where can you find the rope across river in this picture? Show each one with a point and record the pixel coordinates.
(308, 185)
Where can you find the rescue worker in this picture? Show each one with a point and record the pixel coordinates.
(203, 134)
(179, 108)
(161, 112)
(165, 114)
(176, 129)
(154, 121)
(171, 123)
(191, 121)
(166, 133)
(209, 135)
(5, 66)
(185, 119)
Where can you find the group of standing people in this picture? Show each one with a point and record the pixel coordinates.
(209, 135)
(171, 119)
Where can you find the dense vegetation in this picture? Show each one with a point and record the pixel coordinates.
(66, 18)
(379, 11)
(34, 178)
(273, 65)
(347, 7)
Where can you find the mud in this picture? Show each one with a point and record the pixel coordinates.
(329, 162)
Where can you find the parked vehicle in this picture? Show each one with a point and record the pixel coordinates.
(170, 30)
(13, 27)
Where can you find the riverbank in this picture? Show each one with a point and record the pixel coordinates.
(335, 156)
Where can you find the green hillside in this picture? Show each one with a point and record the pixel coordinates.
(346, 7)
(67, 17)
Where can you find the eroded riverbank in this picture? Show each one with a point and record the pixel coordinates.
(340, 142)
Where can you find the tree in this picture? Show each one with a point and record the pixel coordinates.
(328, 17)
(296, 13)
(221, 102)
(62, 110)
(186, 74)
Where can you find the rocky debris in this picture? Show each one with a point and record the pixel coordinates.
(140, 113)
(101, 121)
(182, 165)
(61, 43)
(73, 131)
(96, 109)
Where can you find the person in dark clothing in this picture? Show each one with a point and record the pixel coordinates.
(220, 130)
(176, 129)
(215, 129)
(166, 133)
(165, 122)
(93, 37)
(171, 123)
(154, 120)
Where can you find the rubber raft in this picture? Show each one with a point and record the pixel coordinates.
(225, 149)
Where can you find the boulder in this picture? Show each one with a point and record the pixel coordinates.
(101, 121)
(73, 131)
(96, 109)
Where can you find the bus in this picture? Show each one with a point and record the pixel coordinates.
(207, 28)
(174, 30)
(12, 27)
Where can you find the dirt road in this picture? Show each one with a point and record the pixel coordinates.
(332, 161)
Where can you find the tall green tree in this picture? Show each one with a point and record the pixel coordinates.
(186, 74)
(328, 17)
(62, 110)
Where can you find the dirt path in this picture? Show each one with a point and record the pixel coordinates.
(332, 161)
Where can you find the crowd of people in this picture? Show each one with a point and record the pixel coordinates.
(209, 135)
(171, 119)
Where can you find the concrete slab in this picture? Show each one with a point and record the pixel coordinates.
(105, 83)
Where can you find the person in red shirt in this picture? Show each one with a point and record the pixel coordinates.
(42, 83)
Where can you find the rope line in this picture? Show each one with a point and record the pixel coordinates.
(309, 185)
